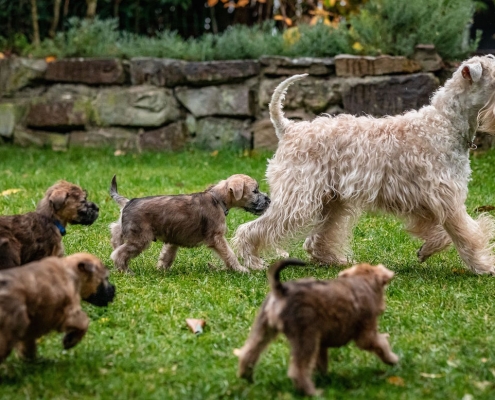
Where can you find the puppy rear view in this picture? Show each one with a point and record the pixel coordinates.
(315, 315)
(185, 220)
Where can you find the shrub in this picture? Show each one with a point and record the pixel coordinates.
(396, 26)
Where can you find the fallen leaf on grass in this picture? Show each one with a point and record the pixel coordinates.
(195, 325)
(482, 385)
(119, 153)
(8, 192)
(395, 380)
(432, 376)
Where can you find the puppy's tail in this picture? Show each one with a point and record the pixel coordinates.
(276, 113)
(121, 200)
(277, 287)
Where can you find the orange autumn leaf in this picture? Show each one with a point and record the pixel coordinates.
(395, 380)
(50, 59)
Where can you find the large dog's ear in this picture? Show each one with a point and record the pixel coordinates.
(472, 72)
(58, 198)
(236, 186)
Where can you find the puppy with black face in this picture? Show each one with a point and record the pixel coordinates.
(186, 220)
(35, 235)
(45, 296)
(315, 315)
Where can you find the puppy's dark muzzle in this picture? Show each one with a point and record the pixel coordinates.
(259, 206)
(104, 295)
(88, 214)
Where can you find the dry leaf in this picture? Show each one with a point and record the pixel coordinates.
(119, 153)
(50, 59)
(8, 192)
(395, 380)
(212, 3)
(195, 325)
(482, 385)
(432, 376)
(2, 56)
(214, 153)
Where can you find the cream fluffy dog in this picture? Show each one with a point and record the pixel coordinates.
(415, 165)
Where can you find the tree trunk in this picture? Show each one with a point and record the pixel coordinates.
(36, 27)
(116, 8)
(56, 18)
(91, 10)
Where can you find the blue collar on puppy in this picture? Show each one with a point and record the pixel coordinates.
(60, 227)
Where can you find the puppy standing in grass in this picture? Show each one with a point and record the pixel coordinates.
(415, 165)
(315, 315)
(45, 296)
(34, 235)
(186, 220)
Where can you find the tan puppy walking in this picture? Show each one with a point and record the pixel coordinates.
(186, 220)
(315, 315)
(38, 234)
(45, 296)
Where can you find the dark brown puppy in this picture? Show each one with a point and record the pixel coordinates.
(186, 220)
(35, 235)
(316, 315)
(45, 296)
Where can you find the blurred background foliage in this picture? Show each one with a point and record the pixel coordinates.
(236, 29)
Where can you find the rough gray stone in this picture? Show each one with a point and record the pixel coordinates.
(235, 100)
(136, 106)
(278, 65)
(63, 115)
(18, 72)
(217, 133)
(312, 94)
(116, 138)
(157, 71)
(347, 65)
(172, 137)
(389, 95)
(214, 72)
(264, 136)
(92, 71)
(10, 115)
(26, 137)
(426, 55)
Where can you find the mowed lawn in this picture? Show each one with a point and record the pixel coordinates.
(440, 317)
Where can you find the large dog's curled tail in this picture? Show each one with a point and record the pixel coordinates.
(277, 287)
(275, 107)
(121, 200)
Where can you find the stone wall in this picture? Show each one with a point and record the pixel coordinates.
(165, 104)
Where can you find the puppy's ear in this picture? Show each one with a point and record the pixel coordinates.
(472, 72)
(58, 198)
(86, 266)
(384, 273)
(237, 188)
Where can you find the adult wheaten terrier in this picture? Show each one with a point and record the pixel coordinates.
(414, 165)
(315, 315)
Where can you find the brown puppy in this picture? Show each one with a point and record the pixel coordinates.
(35, 235)
(45, 296)
(186, 220)
(316, 315)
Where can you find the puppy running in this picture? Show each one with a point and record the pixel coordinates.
(316, 315)
(186, 220)
(45, 296)
(35, 235)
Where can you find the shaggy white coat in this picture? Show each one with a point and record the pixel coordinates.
(414, 165)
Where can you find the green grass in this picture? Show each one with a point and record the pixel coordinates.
(440, 317)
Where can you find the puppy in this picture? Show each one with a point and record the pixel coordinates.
(316, 315)
(186, 220)
(45, 296)
(35, 235)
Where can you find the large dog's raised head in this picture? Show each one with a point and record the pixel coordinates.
(68, 203)
(243, 192)
(474, 82)
(95, 287)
